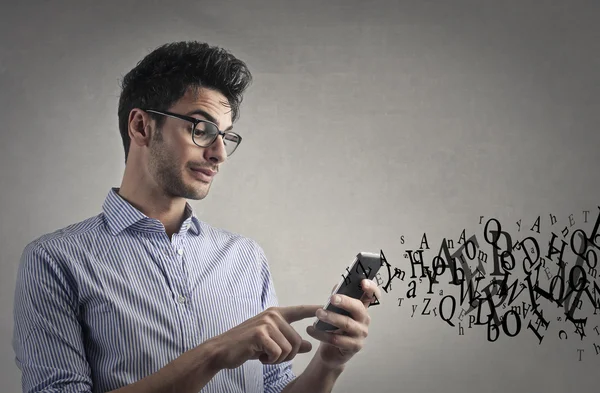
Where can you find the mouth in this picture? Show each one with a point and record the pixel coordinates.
(203, 174)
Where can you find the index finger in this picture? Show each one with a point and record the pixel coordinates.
(296, 313)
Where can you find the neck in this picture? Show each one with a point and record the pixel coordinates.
(148, 198)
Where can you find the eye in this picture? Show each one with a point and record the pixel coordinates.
(202, 130)
(228, 138)
(200, 133)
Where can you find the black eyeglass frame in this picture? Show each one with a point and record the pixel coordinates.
(195, 122)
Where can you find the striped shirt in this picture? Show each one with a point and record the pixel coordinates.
(102, 303)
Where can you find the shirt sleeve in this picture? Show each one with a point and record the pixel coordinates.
(276, 376)
(47, 337)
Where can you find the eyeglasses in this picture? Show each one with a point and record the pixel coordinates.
(205, 133)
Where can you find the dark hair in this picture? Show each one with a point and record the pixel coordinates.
(162, 77)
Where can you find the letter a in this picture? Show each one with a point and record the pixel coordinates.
(424, 240)
(537, 224)
(462, 237)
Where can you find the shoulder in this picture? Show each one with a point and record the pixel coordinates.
(70, 237)
(48, 260)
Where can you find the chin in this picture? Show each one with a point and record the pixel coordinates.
(200, 196)
(199, 192)
(195, 189)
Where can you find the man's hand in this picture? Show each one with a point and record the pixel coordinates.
(339, 346)
(268, 337)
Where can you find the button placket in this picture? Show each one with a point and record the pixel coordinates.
(185, 307)
(180, 282)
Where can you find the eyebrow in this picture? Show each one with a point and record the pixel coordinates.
(208, 117)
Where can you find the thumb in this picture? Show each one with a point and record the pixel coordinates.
(306, 346)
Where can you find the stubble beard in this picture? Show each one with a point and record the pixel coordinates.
(163, 166)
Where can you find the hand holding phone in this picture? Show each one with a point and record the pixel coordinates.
(365, 266)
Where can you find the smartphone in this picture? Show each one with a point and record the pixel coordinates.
(365, 266)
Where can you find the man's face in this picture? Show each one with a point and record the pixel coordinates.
(173, 154)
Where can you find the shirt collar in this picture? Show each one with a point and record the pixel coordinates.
(121, 215)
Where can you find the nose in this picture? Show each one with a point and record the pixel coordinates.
(216, 152)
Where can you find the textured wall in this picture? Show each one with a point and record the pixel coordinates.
(367, 121)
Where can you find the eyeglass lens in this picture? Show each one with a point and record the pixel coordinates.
(205, 134)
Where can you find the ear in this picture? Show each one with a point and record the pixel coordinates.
(138, 127)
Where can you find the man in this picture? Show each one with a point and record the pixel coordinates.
(145, 297)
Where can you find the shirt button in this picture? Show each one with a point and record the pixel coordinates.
(180, 251)
(181, 299)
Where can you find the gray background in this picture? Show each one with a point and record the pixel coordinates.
(367, 120)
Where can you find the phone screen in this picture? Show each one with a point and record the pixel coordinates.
(365, 266)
